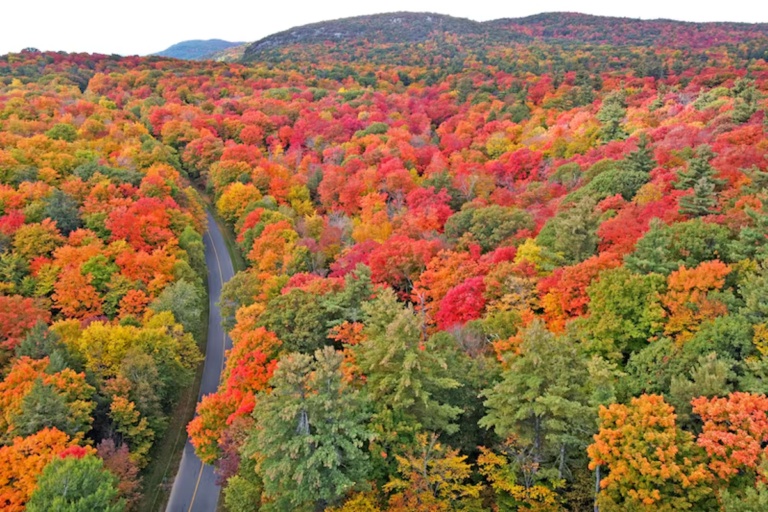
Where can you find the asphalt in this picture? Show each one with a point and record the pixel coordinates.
(194, 488)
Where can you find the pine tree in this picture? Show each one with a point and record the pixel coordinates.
(611, 115)
(702, 202)
(745, 104)
(310, 434)
(402, 368)
(44, 407)
(642, 159)
(698, 167)
(699, 176)
(543, 401)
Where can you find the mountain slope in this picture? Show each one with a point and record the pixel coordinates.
(196, 49)
(396, 27)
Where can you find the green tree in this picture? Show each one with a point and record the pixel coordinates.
(624, 311)
(185, 301)
(64, 210)
(641, 159)
(489, 227)
(402, 368)
(40, 342)
(62, 131)
(611, 115)
(45, 407)
(663, 249)
(72, 484)
(572, 234)
(547, 399)
(699, 176)
(745, 105)
(311, 433)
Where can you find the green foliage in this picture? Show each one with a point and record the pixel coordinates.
(608, 184)
(76, 484)
(185, 301)
(624, 312)
(62, 131)
(64, 210)
(45, 407)
(663, 249)
(547, 400)
(641, 159)
(311, 433)
(611, 115)
(489, 227)
(571, 234)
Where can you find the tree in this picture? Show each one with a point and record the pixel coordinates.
(64, 211)
(403, 370)
(543, 400)
(310, 434)
(17, 316)
(734, 434)
(699, 176)
(611, 115)
(641, 159)
(572, 234)
(45, 407)
(433, 478)
(185, 301)
(76, 484)
(22, 462)
(117, 461)
(652, 464)
(624, 311)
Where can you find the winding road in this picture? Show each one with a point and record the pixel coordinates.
(194, 488)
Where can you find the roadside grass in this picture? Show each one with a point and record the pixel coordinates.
(165, 456)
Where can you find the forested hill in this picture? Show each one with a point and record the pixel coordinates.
(397, 27)
(196, 49)
(560, 27)
(628, 31)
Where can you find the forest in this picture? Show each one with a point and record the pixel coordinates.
(482, 274)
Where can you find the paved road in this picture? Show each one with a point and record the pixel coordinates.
(195, 489)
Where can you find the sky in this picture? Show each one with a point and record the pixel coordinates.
(140, 27)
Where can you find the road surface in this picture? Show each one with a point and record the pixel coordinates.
(194, 488)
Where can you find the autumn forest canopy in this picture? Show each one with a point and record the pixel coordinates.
(519, 265)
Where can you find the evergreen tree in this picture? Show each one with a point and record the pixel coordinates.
(746, 96)
(545, 401)
(403, 371)
(73, 484)
(611, 115)
(702, 202)
(40, 342)
(641, 159)
(44, 407)
(699, 176)
(310, 434)
(64, 210)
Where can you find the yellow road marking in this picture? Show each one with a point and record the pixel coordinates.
(224, 351)
(196, 486)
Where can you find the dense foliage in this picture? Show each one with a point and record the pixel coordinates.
(482, 275)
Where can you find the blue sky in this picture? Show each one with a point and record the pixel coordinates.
(139, 27)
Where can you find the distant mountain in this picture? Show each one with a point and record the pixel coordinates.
(396, 27)
(196, 49)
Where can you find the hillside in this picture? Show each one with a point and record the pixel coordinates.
(628, 31)
(396, 27)
(228, 54)
(196, 49)
(405, 28)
